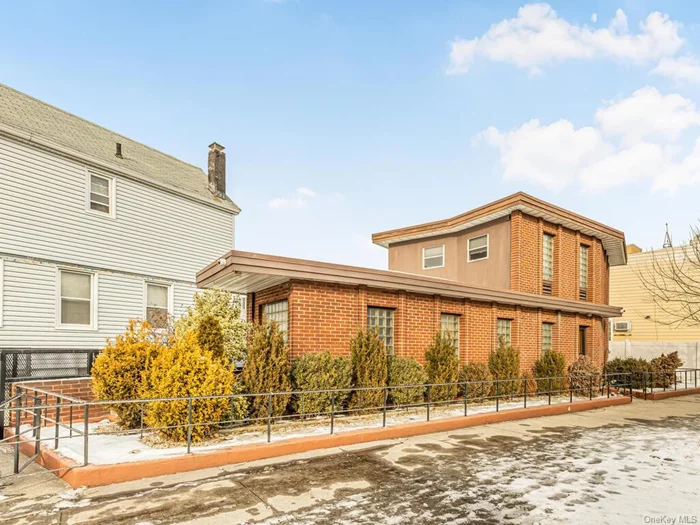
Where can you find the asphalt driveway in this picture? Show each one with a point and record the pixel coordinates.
(628, 464)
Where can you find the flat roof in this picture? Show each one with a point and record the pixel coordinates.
(613, 240)
(246, 272)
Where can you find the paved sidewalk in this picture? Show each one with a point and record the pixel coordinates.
(613, 465)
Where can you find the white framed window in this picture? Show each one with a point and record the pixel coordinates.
(382, 320)
(449, 326)
(76, 300)
(158, 304)
(546, 336)
(503, 330)
(100, 194)
(478, 248)
(278, 312)
(434, 257)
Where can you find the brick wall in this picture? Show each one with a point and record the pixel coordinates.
(327, 316)
(526, 259)
(63, 392)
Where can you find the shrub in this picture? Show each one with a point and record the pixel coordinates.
(442, 366)
(225, 307)
(584, 376)
(119, 371)
(210, 336)
(664, 368)
(638, 369)
(550, 372)
(320, 372)
(267, 370)
(403, 371)
(369, 369)
(504, 363)
(528, 380)
(477, 372)
(185, 370)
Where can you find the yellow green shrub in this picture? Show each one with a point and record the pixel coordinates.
(320, 371)
(119, 371)
(369, 369)
(406, 371)
(442, 366)
(185, 370)
(504, 363)
(481, 375)
(210, 336)
(267, 370)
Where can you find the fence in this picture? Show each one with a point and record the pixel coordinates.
(31, 364)
(687, 378)
(27, 406)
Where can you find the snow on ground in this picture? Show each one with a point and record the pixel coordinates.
(111, 448)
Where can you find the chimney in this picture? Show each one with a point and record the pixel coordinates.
(217, 170)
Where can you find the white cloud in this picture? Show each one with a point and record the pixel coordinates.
(594, 17)
(298, 200)
(647, 114)
(538, 37)
(546, 155)
(681, 69)
(639, 138)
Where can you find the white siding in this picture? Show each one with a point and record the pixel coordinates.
(29, 306)
(155, 233)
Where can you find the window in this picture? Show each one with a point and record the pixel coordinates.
(101, 193)
(449, 326)
(547, 263)
(478, 248)
(503, 328)
(278, 312)
(157, 305)
(75, 299)
(243, 303)
(434, 257)
(546, 336)
(583, 272)
(2, 296)
(382, 320)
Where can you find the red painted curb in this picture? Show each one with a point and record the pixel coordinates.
(97, 475)
(659, 395)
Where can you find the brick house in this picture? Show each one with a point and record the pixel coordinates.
(519, 267)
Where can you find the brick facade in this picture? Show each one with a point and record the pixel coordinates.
(326, 316)
(63, 392)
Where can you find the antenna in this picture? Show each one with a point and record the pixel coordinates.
(667, 239)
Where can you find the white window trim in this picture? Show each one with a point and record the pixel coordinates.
(171, 295)
(112, 195)
(434, 257)
(2, 291)
(94, 325)
(488, 248)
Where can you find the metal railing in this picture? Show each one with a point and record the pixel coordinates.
(687, 378)
(73, 415)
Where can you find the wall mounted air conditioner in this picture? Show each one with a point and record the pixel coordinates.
(622, 326)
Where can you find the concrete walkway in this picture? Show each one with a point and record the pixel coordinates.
(614, 465)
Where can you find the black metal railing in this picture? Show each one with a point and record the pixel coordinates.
(679, 379)
(31, 407)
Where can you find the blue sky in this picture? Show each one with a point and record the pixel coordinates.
(342, 119)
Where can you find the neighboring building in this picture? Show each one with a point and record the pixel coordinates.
(643, 330)
(97, 229)
(519, 268)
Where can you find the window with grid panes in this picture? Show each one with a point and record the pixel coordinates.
(583, 272)
(546, 336)
(278, 312)
(547, 263)
(449, 326)
(503, 328)
(382, 320)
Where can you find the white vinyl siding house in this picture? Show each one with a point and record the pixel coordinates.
(104, 235)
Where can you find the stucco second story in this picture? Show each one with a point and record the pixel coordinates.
(518, 243)
(73, 192)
